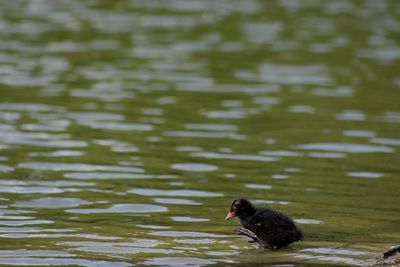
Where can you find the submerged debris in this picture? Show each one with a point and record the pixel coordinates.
(388, 258)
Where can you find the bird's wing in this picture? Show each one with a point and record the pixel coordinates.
(259, 221)
(266, 219)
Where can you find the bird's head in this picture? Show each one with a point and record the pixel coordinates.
(240, 207)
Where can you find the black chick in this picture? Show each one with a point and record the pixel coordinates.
(270, 228)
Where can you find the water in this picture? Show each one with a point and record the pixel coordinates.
(128, 127)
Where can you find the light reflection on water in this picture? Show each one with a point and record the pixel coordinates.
(370, 175)
(127, 128)
(54, 261)
(178, 193)
(48, 166)
(122, 208)
(114, 175)
(212, 155)
(178, 261)
(51, 203)
(194, 167)
(346, 147)
(188, 219)
(177, 201)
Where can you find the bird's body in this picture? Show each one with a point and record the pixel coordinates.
(270, 228)
(275, 228)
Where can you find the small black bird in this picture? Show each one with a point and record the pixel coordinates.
(270, 228)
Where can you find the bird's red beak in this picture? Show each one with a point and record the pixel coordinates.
(231, 214)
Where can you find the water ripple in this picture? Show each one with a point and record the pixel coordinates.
(33, 230)
(211, 127)
(371, 175)
(117, 126)
(51, 203)
(31, 107)
(308, 221)
(114, 175)
(25, 222)
(122, 208)
(188, 219)
(35, 189)
(194, 167)
(58, 153)
(178, 261)
(13, 137)
(176, 201)
(185, 234)
(258, 186)
(198, 134)
(213, 155)
(50, 166)
(5, 168)
(386, 141)
(345, 147)
(174, 193)
(53, 260)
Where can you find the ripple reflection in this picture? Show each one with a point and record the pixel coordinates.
(176, 201)
(180, 193)
(178, 261)
(345, 147)
(51, 203)
(122, 208)
(194, 167)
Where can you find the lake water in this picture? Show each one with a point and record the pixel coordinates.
(128, 127)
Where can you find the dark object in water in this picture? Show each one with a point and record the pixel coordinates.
(391, 252)
(388, 258)
(269, 228)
